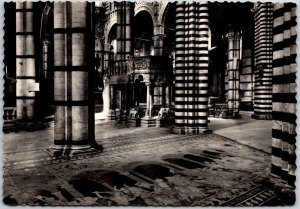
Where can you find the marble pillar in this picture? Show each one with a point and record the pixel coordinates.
(234, 59)
(191, 67)
(72, 119)
(263, 44)
(25, 62)
(284, 95)
(158, 39)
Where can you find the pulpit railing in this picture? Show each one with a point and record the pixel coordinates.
(117, 68)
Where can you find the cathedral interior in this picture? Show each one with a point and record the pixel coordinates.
(89, 86)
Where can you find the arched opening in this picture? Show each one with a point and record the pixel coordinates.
(169, 29)
(143, 33)
(169, 51)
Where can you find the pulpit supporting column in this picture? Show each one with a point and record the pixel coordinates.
(111, 116)
(148, 121)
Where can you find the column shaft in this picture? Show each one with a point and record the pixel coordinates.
(263, 60)
(128, 30)
(120, 20)
(158, 37)
(191, 67)
(71, 74)
(124, 30)
(284, 94)
(25, 61)
(45, 58)
(167, 102)
(125, 13)
(234, 40)
(149, 102)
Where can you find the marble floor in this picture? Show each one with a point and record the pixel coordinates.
(144, 167)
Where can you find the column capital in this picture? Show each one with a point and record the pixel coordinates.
(46, 42)
(234, 34)
(159, 36)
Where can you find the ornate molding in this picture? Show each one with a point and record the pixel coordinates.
(158, 37)
(141, 63)
(233, 35)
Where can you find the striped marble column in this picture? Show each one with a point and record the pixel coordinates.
(284, 95)
(25, 62)
(263, 53)
(72, 120)
(191, 67)
(234, 58)
(246, 79)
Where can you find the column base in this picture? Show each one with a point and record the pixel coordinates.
(261, 116)
(111, 116)
(280, 183)
(286, 192)
(148, 122)
(233, 115)
(30, 125)
(118, 116)
(136, 122)
(164, 122)
(191, 130)
(70, 151)
(123, 117)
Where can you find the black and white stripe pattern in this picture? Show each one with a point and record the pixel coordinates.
(263, 60)
(246, 77)
(284, 93)
(191, 67)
